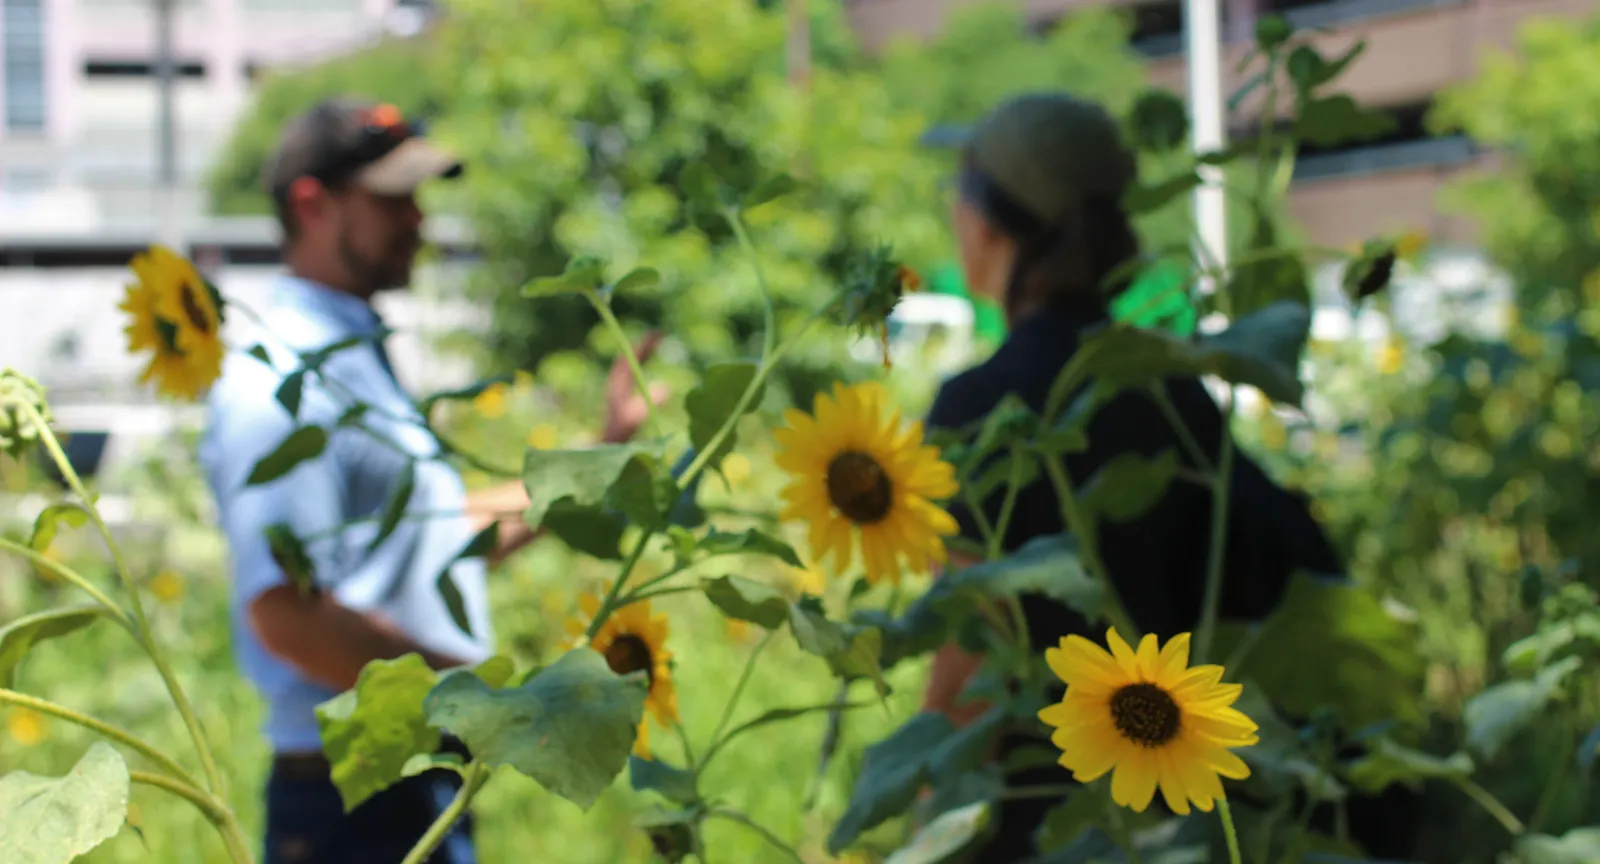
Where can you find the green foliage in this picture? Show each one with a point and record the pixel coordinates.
(20, 635)
(369, 733)
(570, 727)
(46, 820)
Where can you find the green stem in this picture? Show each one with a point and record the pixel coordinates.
(1186, 437)
(771, 838)
(198, 797)
(683, 736)
(738, 690)
(1228, 831)
(615, 326)
(770, 338)
(1492, 806)
(610, 602)
(1122, 833)
(179, 699)
(1078, 524)
(477, 775)
(997, 537)
(103, 729)
(39, 560)
(1219, 539)
(975, 507)
(641, 596)
(1552, 790)
(768, 363)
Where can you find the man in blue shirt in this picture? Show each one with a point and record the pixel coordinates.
(343, 182)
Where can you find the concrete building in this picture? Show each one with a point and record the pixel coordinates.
(1415, 48)
(78, 98)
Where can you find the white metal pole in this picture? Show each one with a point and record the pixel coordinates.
(170, 230)
(1203, 35)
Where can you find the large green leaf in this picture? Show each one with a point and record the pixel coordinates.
(672, 783)
(19, 636)
(53, 820)
(1496, 714)
(570, 727)
(1261, 349)
(644, 492)
(893, 771)
(749, 540)
(369, 732)
(50, 519)
(304, 443)
(1578, 846)
(583, 476)
(1368, 666)
(591, 530)
(1067, 822)
(852, 651)
(1045, 565)
(712, 402)
(1388, 763)
(1332, 120)
(748, 600)
(1126, 487)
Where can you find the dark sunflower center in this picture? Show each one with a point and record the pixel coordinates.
(629, 653)
(194, 311)
(859, 487)
(1145, 714)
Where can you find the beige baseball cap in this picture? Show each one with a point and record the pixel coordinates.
(369, 144)
(1049, 151)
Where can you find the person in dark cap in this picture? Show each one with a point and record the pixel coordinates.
(344, 182)
(1042, 232)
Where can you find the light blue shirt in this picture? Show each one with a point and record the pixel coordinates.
(351, 480)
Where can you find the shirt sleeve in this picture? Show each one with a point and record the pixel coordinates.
(307, 500)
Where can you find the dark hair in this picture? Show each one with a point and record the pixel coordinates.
(1062, 264)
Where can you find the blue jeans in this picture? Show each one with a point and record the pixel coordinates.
(306, 822)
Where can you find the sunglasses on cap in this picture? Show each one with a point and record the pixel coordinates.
(383, 128)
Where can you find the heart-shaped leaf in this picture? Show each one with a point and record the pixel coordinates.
(370, 732)
(53, 820)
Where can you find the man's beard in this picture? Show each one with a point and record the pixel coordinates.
(373, 275)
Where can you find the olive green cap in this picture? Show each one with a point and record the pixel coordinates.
(1049, 151)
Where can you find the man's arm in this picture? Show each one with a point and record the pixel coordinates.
(327, 642)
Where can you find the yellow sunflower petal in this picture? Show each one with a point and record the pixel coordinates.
(1134, 783)
(1082, 664)
(1126, 659)
(1171, 783)
(1174, 659)
(1148, 657)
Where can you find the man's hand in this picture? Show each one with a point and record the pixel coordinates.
(626, 409)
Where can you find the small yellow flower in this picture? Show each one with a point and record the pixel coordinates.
(25, 726)
(1273, 436)
(738, 631)
(1392, 356)
(1410, 243)
(1149, 717)
(491, 403)
(543, 437)
(806, 580)
(167, 586)
(736, 467)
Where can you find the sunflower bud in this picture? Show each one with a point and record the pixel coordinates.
(874, 283)
(18, 429)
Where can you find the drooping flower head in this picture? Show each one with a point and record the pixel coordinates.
(176, 316)
(857, 473)
(1149, 717)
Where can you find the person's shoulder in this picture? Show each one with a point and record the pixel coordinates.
(964, 398)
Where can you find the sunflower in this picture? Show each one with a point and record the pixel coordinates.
(855, 472)
(1149, 716)
(176, 315)
(633, 640)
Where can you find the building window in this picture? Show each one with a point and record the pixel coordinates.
(23, 47)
